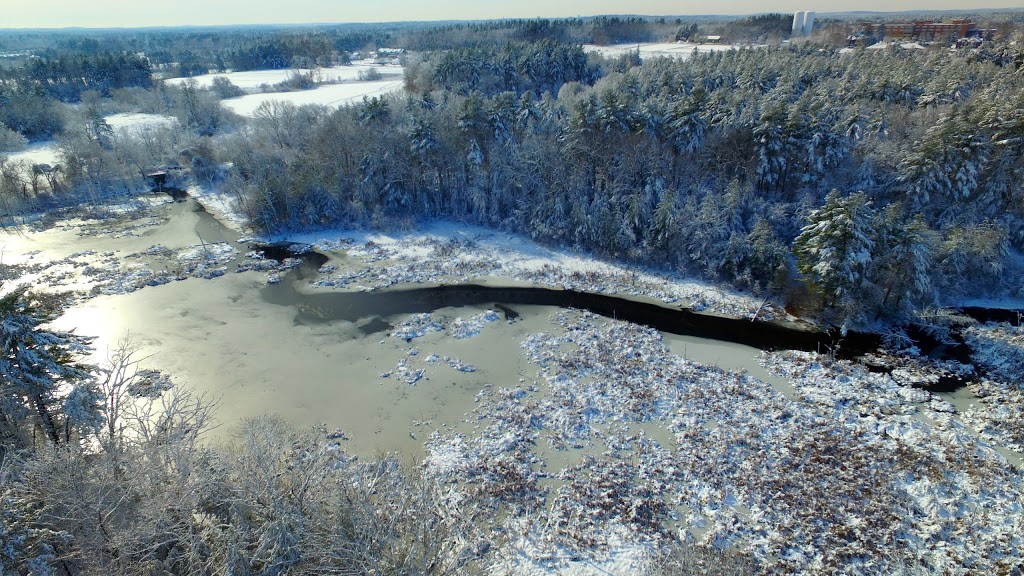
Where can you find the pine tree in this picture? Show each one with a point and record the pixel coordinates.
(768, 138)
(41, 379)
(902, 265)
(685, 124)
(834, 250)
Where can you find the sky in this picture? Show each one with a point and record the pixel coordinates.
(137, 13)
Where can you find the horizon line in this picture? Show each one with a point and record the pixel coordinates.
(497, 19)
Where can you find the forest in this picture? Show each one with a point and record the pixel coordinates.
(868, 184)
(861, 189)
(732, 166)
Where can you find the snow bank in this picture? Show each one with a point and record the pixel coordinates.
(221, 205)
(446, 252)
(999, 349)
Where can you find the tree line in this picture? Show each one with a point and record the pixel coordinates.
(66, 77)
(714, 165)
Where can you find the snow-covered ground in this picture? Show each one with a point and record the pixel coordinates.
(682, 50)
(446, 252)
(222, 206)
(885, 45)
(252, 80)
(335, 95)
(450, 252)
(36, 153)
(127, 124)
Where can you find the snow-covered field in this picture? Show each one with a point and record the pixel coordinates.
(680, 50)
(134, 123)
(251, 81)
(328, 95)
(35, 153)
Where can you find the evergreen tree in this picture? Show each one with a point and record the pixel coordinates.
(834, 250)
(903, 262)
(41, 378)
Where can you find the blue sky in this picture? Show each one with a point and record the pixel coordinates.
(130, 13)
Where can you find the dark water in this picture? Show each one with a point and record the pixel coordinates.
(358, 307)
(369, 309)
(1008, 315)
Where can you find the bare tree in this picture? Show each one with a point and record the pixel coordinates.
(124, 383)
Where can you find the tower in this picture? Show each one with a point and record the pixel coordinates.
(808, 23)
(798, 23)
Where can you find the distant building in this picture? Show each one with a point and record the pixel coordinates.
(808, 23)
(387, 55)
(923, 30)
(803, 23)
(713, 40)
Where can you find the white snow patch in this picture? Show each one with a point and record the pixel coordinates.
(446, 456)
(905, 45)
(334, 95)
(128, 124)
(530, 555)
(417, 326)
(470, 327)
(45, 152)
(681, 50)
(253, 79)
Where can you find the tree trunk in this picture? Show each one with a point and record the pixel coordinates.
(46, 419)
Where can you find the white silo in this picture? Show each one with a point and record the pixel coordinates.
(808, 24)
(798, 23)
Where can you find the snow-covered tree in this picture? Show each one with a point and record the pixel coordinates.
(946, 166)
(685, 124)
(834, 250)
(768, 138)
(902, 266)
(42, 380)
